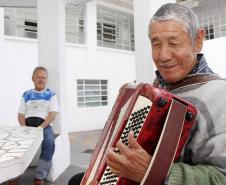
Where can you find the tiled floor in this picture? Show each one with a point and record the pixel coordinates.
(82, 144)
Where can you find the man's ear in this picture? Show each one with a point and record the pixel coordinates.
(199, 40)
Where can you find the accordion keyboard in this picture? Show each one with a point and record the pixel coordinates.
(134, 123)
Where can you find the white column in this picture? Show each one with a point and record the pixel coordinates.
(1, 35)
(51, 54)
(91, 33)
(142, 15)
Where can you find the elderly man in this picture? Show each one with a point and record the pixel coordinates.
(38, 108)
(176, 41)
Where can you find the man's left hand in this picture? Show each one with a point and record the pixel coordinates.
(132, 162)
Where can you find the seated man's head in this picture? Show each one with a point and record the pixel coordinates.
(176, 39)
(39, 78)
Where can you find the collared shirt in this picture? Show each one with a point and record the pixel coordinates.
(200, 67)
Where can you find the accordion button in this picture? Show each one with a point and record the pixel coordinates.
(162, 102)
(189, 116)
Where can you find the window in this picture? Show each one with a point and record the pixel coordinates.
(211, 16)
(21, 22)
(30, 29)
(106, 32)
(75, 25)
(109, 32)
(209, 32)
(92, 93)
(115, 28)
(30, 26)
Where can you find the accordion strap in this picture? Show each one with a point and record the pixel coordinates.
(190, 80)
(166, 148)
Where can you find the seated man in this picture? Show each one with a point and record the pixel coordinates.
(38, 108)
(176, 41)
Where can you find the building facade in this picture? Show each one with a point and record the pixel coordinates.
(99, 56)
(93, 83)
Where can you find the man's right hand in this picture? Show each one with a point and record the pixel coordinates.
(132, 162)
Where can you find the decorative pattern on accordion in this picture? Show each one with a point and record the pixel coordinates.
(135, 123)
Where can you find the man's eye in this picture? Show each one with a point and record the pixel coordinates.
(173, 44)
(156, 44)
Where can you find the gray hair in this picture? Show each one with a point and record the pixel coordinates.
(39, 68)
(177, 12)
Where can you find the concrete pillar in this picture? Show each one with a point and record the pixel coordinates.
(1, 35)
(91, 33)
(51, 54)
(142, 14)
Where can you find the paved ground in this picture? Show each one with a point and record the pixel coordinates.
(82, 145)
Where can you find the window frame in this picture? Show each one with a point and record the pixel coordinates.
(92, 93)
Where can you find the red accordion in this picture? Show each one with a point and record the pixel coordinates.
(161, 123)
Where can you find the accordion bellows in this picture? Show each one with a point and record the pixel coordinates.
(161, 123)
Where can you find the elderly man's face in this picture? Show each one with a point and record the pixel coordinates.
(40, 79)
(172, 50)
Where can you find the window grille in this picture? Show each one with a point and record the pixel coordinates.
(209, 32)
(30, 26)
(92, 93)
(214, 24)
(21, 22)
(75, 23)
(211, 17)
(115, 28)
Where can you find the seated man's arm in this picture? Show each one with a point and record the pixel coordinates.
(21, 119)
(51, 116)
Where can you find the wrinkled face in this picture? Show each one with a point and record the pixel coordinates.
(40, 78)
(172, 50)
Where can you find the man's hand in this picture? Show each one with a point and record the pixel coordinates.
(132, 162)
(51, 116)
(21, 119)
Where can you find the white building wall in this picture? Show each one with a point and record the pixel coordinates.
(214, 51)
(21, 55)
(2, 27)
(118, 67)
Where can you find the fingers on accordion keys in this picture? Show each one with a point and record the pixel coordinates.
(130, 138)
(116, 150)
(131, 133)
(116, 172)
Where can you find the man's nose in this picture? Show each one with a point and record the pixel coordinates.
(165, 53)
